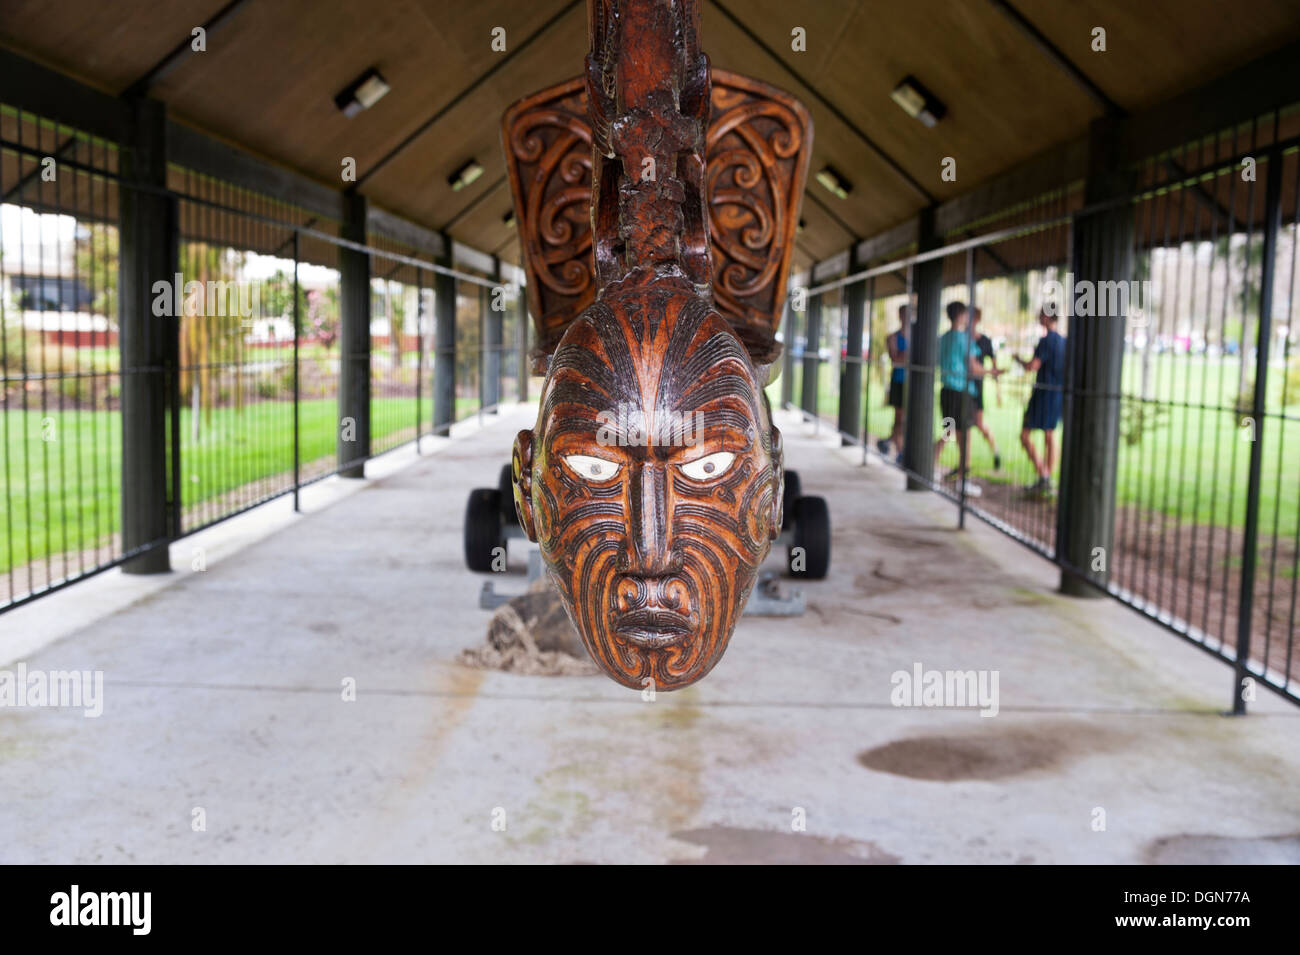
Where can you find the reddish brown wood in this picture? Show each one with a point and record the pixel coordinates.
(757, 146)
(653, 481)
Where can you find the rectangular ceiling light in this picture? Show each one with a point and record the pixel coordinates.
(918, 102)
(465, 175)
(362, 93)
(834, 182)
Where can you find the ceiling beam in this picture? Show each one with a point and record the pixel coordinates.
(834, 110)
(204, 154)
(1054, 53)
(459, 216)
(463, 94)
(50, 94)
(496, 253)
(853, 233)
(1085, 83)
(885, 243)
(413, 235)
(182, 50)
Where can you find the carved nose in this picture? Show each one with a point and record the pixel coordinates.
(652, 593)
(649, 546)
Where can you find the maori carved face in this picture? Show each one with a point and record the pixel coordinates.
(652, 481)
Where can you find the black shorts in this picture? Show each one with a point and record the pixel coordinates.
(953, 404)
(1043, 413)
(896, 390)
(979, 394)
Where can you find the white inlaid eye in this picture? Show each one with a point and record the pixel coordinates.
(709, 467)
(589, 468)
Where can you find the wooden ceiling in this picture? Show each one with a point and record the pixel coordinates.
(272, 67)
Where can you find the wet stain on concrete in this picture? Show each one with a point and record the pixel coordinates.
(1020, 597)
(1191, 849)
(729, 846)
(878, 581)
(986, 755)
(879, 573)
(911, 537)
(887, 617)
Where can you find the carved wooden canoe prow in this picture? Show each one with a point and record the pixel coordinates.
(653, 479)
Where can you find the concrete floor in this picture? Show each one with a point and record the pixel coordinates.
(223, 693)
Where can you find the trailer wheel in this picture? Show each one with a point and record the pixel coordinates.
(506, 488)
(793, 491)
(812, 534)
(483, 528)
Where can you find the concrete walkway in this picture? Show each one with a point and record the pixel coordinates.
(223, 693)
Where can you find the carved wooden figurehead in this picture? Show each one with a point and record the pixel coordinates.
(656, 202)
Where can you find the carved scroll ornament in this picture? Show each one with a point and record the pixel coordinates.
(756, 156)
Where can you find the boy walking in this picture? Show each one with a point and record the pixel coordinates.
(897, 345)
(1043, 413)
(959, 370)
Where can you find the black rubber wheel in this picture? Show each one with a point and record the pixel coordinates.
(793, 491)
(812, 532)
(506, 488)
(483, 528)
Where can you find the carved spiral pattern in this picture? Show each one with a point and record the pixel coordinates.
(756, 147)
(552, 147)
(750, 148)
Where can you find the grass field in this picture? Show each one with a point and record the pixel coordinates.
(61, 482)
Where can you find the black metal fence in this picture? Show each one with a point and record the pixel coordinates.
(251, 391)
(1175, 483)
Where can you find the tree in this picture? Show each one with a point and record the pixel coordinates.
(96, 258)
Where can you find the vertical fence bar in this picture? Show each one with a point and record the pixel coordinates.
(354, 336)
(869, 293)
(482, 351)
(419, 352)
(148, 251)
(1250, 543)
(444, 345)
(811, 362)
(297, 334)
(855, 304)
(493, 337)
(1102, 253)
(918, 443)
(967, 399)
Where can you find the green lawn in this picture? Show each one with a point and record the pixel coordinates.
(63, 494)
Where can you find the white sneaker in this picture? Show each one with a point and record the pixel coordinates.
(972, 490)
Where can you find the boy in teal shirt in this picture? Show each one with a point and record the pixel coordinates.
(959, 374)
